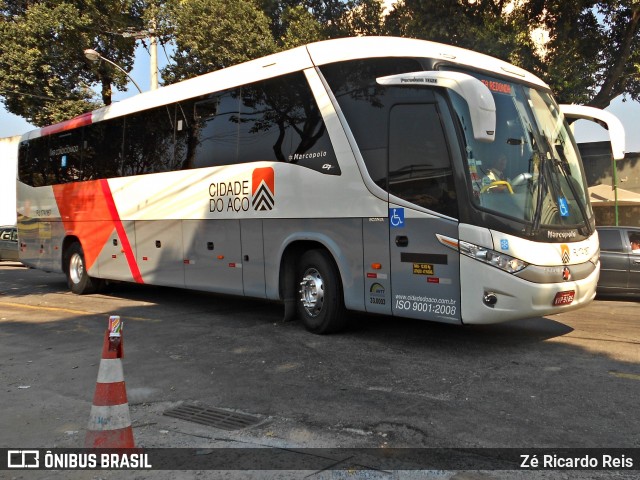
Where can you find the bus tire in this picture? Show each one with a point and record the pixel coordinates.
(320, 301)
(78, 279)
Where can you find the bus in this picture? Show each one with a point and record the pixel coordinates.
(346, 175)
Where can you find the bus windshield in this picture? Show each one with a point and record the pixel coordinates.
(531, 172)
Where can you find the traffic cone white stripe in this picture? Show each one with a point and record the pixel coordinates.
(110, 371)
(112, 417)
(109, 420)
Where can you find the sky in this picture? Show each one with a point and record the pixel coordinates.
(627, 111)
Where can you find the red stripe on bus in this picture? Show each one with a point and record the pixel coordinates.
(79, 121)
(126, 246)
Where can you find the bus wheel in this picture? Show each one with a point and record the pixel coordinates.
(78, 279)
(320, 304)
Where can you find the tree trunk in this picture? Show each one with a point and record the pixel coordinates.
(615, 82)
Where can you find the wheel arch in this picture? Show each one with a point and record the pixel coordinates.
(290, 254)
(349, 269)
(66, 243)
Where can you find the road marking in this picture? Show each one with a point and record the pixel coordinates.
(68, 310)
(629, 376)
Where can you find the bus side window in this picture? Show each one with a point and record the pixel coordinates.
(65, 150)
(419, 164)
(38, 161)
(184, 135)
(365, 104)
(102, 152)
(215, 130)
(312, 146)
(148, 142)
(265, 131)
(25, 166)
(280, 121)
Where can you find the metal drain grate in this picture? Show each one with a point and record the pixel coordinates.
(213, 417)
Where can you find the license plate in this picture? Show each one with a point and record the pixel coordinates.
(564, 298)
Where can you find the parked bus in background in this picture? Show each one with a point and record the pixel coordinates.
(350, 174)
(8, 169)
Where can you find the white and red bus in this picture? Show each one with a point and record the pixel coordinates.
(386, 175)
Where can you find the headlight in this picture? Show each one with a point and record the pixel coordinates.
(497, 259)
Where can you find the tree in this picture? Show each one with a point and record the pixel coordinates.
(593, 50)
(44, 76)
(40, 83)
(213, 34)
(297, 22)
(300, 28)
(592, 54)
(112, 22)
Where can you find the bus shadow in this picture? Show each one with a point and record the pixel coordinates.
(515, 332)
(363, 325)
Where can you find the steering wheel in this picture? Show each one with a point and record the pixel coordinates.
(497, 183)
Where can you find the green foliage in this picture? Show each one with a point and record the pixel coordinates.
(592, 54)
(44, 76)
(213, 34)
(33, 79)
(301, 28)
(593, 49)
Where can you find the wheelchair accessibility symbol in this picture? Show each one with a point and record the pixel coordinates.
(563, 206)
(396, 217)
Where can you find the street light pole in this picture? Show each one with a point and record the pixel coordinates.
(153, 50)
(94, 56)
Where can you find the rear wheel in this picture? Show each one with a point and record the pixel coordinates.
(320, 301)
(78, 279)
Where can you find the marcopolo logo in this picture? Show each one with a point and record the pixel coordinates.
(566, 256)
(263, 188)
(239, 196)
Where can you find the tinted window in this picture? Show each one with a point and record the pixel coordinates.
(610, 240)
(280, 121)
(65, 155)
(265, 131)
(366, 104)
(185, 138)
(272, 120)
(419, 165)
(215, 130)
(148, 144)
(26, 168)
(38, 169)
(398, 131)
(102, 154)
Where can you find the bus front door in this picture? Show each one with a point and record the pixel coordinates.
(425, 275)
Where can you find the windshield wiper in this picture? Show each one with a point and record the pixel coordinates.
(542, 187)
(559, 164)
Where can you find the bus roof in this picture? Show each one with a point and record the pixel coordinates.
(300, 58)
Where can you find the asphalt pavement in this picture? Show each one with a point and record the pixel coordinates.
(565, 381)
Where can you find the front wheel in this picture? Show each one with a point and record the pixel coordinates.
(78, 279)
(321, 302)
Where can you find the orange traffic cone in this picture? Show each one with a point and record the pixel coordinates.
(109, 422)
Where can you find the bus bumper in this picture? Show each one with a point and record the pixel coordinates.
(515, 298)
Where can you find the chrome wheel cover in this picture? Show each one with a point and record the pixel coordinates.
(312, 292)
(76, 268)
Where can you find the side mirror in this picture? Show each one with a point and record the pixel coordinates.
(602, 118)
(476, 94)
